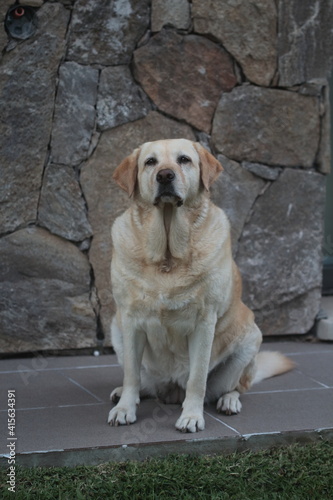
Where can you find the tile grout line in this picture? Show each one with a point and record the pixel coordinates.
(36, 408)
(84, 389)
(58, 369)
(114, 365)
(305, 353)
(221, 422)
(100, 401)
(288, 390)
(313, 379)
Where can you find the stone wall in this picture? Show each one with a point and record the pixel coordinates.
(246, 78)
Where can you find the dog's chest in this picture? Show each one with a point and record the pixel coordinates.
(167, 310)
(171, 310)
(167, 334)
(174, 293)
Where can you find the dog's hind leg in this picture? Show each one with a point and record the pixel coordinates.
(233, 376)
(223, 383)
(229, 402)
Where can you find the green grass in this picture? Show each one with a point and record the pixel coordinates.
(290, 473)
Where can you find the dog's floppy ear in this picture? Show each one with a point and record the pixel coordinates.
(126, 173)
(209, 165)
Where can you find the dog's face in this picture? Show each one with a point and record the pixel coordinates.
(169, 171)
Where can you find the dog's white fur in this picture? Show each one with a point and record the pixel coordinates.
(181, 331)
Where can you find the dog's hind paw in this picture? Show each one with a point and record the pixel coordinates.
(229, 403)
(116, 394)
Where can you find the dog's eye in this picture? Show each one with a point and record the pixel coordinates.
(151, 161)
(183, 159)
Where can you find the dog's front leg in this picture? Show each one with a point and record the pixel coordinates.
(200, 346)
(134, 344)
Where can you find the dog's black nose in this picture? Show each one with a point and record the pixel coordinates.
(165, 176)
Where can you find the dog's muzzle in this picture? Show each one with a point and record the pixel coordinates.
(166, 188)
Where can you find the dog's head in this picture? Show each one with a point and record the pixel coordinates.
(169, 171)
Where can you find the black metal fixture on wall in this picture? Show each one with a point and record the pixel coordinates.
(328, 239)
(21, 21)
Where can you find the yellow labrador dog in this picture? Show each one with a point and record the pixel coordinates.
(181, 331)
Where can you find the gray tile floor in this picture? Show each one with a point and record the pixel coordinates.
(62, 404)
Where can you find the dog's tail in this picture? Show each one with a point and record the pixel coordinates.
(269, 364)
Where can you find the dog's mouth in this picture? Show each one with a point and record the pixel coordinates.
(167, 194)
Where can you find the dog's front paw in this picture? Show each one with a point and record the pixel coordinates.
(190, 423)
(229, 403)
(121, 415)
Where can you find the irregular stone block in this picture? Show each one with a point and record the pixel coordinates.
(27, 88)
(62, 208)
(32, 3)
(263, 171)
(279, 252)
(44, 293)
(74, 116)
(269, 126)
(120, 99)
(235, 191)
(111, 201)
(184, 75)
(246, 28)
(175, 13)
(324, 153)
(5, 4)
(293, 317)
(106, 32)
(305, 40)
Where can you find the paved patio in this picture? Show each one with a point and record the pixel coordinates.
(62, 405)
